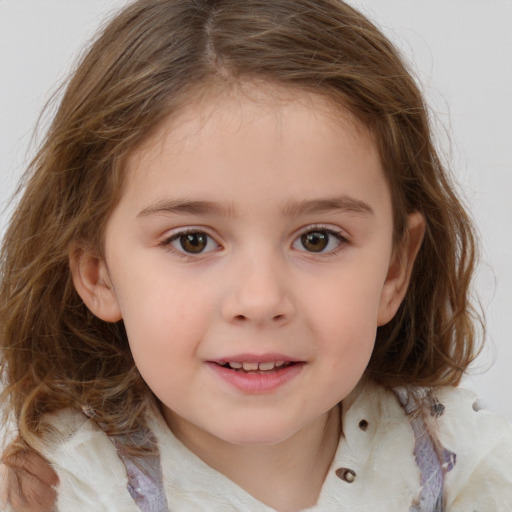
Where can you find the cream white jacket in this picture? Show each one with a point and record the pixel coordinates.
(376, 445)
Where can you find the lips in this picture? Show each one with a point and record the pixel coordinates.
(257, 373)
(255, 367)
(255, 358)
(256, 363)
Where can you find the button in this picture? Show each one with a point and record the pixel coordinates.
(477, 406)
(437, 409)
(346, 474)
(363, 425)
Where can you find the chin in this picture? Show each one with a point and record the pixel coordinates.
(265, 435)
(256, 440)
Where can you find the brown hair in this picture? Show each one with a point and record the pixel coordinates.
(144, 66)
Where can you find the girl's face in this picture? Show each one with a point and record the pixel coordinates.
(251, 261)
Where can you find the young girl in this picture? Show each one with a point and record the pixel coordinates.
(238, 277)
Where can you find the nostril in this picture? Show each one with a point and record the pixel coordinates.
(240, 318)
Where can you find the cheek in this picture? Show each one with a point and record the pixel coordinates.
(165, 319)
(349, 303)
(163, 340)
(344, 317)
(347, 342)
(158, 297)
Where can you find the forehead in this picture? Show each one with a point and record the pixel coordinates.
(255, 138)
(235, 107)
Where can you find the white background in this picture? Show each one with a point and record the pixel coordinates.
(461, 51)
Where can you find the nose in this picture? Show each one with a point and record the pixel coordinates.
(258, 294)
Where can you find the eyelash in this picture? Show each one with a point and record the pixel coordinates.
(167, 243)
(342, 241)
(319, 228)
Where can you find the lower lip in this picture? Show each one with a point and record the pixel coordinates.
(257, 382)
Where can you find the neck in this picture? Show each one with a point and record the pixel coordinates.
(287, 476)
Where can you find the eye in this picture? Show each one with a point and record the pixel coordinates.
(319, 240)
(192, 242)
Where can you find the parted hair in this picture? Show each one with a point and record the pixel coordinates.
(150, 60)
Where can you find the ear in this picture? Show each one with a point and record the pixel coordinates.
(92, 283)
(400, 268)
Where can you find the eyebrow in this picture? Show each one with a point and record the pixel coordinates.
(188, 207)
(308, 206)
(329, 204)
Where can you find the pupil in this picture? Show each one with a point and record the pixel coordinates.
(193, 242)
(315, 241)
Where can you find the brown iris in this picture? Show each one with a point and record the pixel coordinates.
(194, 242)
(315, 241)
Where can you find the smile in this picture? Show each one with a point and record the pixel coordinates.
(255, 376)
(255, 367)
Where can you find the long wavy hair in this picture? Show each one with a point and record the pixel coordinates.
(148, 62)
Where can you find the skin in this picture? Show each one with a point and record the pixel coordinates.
(272, 171)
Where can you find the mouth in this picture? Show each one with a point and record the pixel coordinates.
(255, 367)
(257, 374)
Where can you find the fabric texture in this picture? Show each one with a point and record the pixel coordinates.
(375, 468)
(144, 474)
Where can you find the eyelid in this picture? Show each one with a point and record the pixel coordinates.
(183, 230)
(330, 228)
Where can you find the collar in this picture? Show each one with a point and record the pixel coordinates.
(373, 468)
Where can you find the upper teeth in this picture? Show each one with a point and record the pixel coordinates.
(256, 366)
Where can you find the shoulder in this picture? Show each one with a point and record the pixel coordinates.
(479, 441)
(92, 477)
(481, 478)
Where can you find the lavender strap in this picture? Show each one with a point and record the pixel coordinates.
(145, 479)
(432, 459)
